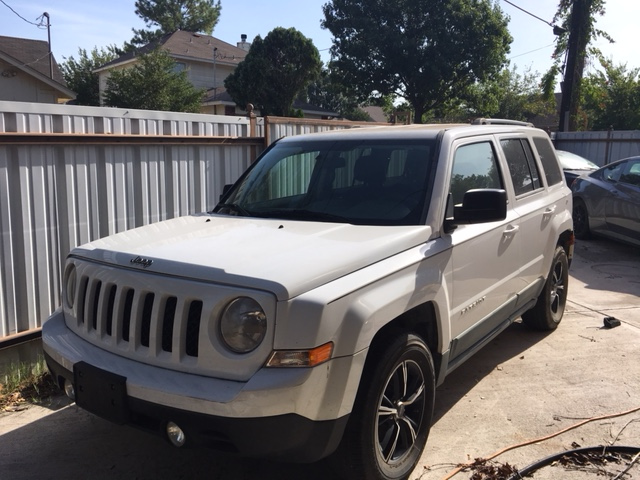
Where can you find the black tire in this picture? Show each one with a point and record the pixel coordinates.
(548, 311)
(580, 219)
(388, 428)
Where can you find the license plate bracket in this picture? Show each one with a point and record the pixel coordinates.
(101, 392)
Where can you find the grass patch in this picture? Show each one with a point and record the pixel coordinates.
(24, 384)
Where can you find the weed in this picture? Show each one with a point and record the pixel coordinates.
(26, 383)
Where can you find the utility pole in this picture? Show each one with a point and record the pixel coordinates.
(576, 50)
(45, 14)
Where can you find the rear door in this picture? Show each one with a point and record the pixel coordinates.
(536, 204)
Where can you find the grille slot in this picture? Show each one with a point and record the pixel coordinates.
(110, 308)
(82, 298)
(146, 319)
(193, 328)
(167, 323)
(126, 314)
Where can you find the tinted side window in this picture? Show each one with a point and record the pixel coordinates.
(631, 174)
(552, 171)
(612, 172)
(474, 166)
(522, 166)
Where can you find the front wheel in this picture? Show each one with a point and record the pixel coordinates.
(580, 219)
(389, 425)
(548, 310)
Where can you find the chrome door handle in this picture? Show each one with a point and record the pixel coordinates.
(511, 230)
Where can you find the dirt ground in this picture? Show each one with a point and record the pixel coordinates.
(576, 387)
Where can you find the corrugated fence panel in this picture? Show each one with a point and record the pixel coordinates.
(69, 175)
(600, 147)
(72, 174)
(54, 198)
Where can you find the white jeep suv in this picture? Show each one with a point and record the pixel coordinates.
(314, 311)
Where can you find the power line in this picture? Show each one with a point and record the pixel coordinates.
(531, 51)
(39, 25)
(529, 13)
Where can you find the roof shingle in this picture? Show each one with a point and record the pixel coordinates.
(33, 54)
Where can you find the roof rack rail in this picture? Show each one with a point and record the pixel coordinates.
(500, 121)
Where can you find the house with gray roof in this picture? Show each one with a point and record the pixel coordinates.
(207, 61)
(30, 73)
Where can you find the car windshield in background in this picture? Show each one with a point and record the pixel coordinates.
(360, 182)
(571, 161)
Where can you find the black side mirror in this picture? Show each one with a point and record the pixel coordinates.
(480, 206)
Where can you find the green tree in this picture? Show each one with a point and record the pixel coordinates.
(328, 92)
(425, 51)
(153, 84)
(578, 19)
(168, 16)
(274, 72)
(507, 95)
(611, 98)
(79, 74)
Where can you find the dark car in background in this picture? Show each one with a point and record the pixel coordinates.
(607, 202)
(574, 165)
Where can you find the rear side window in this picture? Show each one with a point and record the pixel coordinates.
(552, 171)
(522, 166)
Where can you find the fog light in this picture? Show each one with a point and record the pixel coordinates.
(175, 434)
(69, 390)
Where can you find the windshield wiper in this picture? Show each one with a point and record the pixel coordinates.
(298, 214)
(232, 209)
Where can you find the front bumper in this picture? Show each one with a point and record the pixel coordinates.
(294, 414)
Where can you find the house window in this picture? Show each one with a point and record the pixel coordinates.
(229, 110)
(179, 67)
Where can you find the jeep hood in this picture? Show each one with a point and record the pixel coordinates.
(281, 256)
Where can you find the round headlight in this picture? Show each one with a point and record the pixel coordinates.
(243, 325)
(70, 285)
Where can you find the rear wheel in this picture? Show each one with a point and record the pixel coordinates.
(548, 310)
(580, 219)
(389, 425)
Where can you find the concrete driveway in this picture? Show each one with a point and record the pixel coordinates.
(524, 386)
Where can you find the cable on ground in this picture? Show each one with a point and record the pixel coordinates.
(461, 467)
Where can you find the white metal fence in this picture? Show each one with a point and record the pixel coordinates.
(600, 147)
(71, 174)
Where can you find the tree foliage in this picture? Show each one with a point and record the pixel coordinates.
(578, 22)
(153, 84)
(425, 51)
(328, 92)
(611, 98)
(79, 74)
(507, 95)
(168, 16)
(274, 72)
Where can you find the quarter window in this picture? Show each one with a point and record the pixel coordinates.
(549, 160)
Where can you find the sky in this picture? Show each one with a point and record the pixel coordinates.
(96, 23)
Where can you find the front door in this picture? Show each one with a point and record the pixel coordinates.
(485, 256)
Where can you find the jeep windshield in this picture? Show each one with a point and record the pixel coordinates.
(362, 182)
